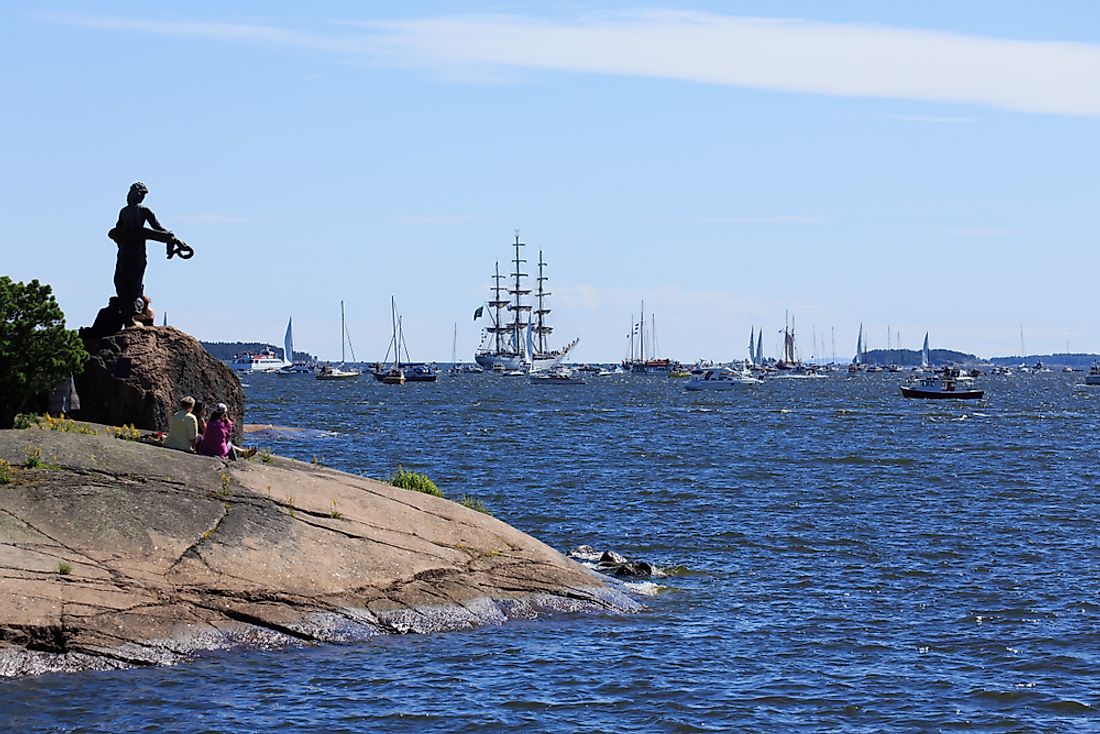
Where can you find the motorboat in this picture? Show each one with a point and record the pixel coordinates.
(1093, 377)
(266, 361)
(946, 386)
(721, 378)
(556, 376)
(329, 372)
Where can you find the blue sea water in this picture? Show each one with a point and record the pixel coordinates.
(844, 560)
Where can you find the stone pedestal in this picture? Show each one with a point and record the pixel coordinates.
(139, 375)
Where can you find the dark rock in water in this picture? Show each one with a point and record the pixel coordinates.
(634, 569)
(139, 375)
(612, 558)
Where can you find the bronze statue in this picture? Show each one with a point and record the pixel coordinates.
(130, 235)
(136, 224)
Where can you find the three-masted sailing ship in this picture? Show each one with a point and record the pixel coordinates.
(518, 335)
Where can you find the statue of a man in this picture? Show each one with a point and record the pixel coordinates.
(130, 235)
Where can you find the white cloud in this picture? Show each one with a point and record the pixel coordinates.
(856, 60)
(791, 55)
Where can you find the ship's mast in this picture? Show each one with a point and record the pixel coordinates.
(641, 340)
(498, 304)
(517, 291)
(541, 329)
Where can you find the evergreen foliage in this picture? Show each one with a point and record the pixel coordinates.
(415, 481)
(36, 350)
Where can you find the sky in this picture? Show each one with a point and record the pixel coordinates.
(910, 167)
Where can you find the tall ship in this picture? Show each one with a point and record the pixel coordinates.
(518, 336)
(637, 361)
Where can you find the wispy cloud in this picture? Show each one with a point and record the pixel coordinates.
(934, 119)
(211, 219)
(437, 219)
(781, 219)
(981, 232)
(839, 59)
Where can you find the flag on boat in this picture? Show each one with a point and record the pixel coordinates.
(478, 311)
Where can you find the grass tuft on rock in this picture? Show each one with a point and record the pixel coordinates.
(6, 475)
(474, 504)
(64, 568)
(415, 481)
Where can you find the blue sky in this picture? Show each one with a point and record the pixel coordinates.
(913, 167)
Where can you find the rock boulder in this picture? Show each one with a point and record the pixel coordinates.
(139, 375)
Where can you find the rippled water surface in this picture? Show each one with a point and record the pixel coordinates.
(847, 561)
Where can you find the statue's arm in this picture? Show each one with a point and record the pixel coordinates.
(153, 222)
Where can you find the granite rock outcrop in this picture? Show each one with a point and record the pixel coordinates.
(114, 553)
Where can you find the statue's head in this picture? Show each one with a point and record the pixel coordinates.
(138, 190)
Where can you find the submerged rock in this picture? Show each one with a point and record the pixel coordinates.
(614, 563)
(115, 553)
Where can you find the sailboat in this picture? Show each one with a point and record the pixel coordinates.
(925, 362)
(341, 372)
(857, 360)
(413, 371)
(392, 375)
(640, 363)
(290, 367)
(520, 343)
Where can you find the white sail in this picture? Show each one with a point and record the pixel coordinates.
(924, 360)
(530, 355)
(752, 344)
(288, 344)
(858, 359)
(760, 347)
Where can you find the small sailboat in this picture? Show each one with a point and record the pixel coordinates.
(857, 360)
(340, 372)
(393, 374)
(290, 367)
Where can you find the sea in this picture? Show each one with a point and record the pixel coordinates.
(836, 558)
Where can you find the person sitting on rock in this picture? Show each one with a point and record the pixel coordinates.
(183, 430)
(217, 440)
(200, 415)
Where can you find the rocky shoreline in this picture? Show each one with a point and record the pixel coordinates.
(116, 554)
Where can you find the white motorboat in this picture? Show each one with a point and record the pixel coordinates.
(1093, 377)
(556, 376)
(266, 361)
(943, 387)
(721, 378)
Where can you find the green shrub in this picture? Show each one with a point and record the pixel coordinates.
(415, 481)
(34, 459)
(64, 568)
(36, 350)
(474, 504)
(26, 420)
(6, 476)
(265, 456)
